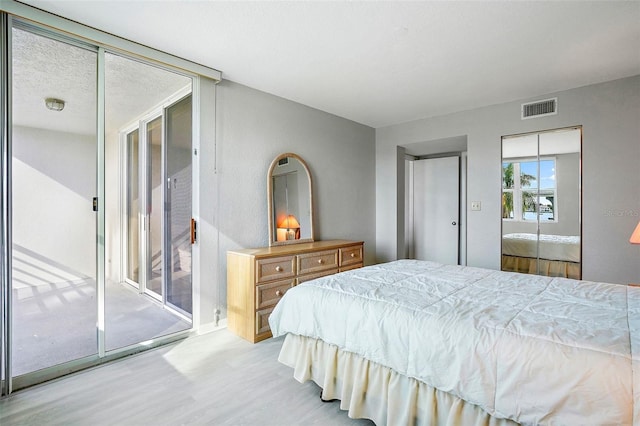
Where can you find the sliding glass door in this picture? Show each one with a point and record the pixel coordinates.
(159, 236)
(132, 204)
(152, 124)
(53, 163)
(178, 206)
(96, 176)
(54, 149)
(154, 190)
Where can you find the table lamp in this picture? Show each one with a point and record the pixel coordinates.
(290, 223)
(635, 237)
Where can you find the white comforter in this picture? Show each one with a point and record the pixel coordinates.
(529, 348)
(552, 247)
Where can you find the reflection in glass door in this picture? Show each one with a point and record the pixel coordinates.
(154, 190)
(54, 172)
(165, 225)
(133, 207)
(178, 211)
(148, 294)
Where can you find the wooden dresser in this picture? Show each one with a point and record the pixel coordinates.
(258, 278)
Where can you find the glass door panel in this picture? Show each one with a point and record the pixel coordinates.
(54, 171)
(133, 207)
(178, 160)
(137, 96)
(155, 187)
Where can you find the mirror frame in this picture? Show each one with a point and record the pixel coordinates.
(270, 219)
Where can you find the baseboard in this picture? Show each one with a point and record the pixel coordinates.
(212, 326)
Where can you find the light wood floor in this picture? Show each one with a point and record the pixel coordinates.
(213, 379)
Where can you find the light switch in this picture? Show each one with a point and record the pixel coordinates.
(476, 205)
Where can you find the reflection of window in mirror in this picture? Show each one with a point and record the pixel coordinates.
(528, 191)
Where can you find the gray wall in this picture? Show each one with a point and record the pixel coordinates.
(609, 113)
(253, 128)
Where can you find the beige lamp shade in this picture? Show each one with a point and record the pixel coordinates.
(635, 237)
(289, 222)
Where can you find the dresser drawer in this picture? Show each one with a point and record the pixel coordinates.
(270, 294)
(350, 255)
(350, 267)
(276, 268)
(319, 261)
(262, 320)
(310, 277)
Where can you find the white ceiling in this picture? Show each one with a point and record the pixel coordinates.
(385, 62)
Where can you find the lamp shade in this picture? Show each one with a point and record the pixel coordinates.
(635, 237)
(289, 222)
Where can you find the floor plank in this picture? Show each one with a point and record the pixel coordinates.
(216, 378)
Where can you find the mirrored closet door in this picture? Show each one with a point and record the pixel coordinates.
(541, 203)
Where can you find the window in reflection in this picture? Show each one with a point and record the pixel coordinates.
(529, 193)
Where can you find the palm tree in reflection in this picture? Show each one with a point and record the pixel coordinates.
(528, 197)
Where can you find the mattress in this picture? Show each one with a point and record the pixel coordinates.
(527, 348)
(552, 247)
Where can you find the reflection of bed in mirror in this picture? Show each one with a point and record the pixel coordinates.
(559, 255)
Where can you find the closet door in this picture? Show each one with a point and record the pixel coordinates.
(541, 203)
(436, 195)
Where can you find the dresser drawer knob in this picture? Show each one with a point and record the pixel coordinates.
(278, 268)
(320, 261)
(278, 293)
(353, 255)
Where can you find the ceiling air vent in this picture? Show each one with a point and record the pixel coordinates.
(540, 108)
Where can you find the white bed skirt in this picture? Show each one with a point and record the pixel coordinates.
(371, 391)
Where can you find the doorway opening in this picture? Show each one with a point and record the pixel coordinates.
(434, 200)
(156, 204)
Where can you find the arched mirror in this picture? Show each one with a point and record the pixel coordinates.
(290, 199)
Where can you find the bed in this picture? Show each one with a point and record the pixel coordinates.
(416, 342)
(559, 255)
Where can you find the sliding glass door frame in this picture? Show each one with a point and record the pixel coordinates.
(75, 34)
(5, 206)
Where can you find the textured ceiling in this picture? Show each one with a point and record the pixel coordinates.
(385, 62)
(44, 68)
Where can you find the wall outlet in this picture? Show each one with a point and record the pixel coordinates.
(476, 206)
